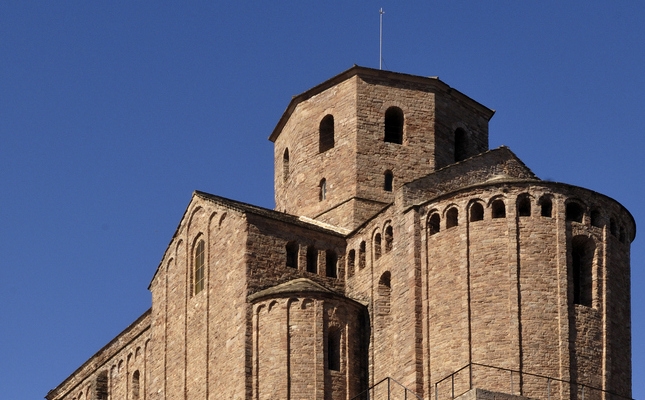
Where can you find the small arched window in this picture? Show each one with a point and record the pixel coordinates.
(331, 264)
(199, 263)
(574, 212)
(377, 246)
(582, 254)
(394, 125)
(524, 206)
(595, 217)
(292, 255)
(351, 261)
(461, 145)
(384, 291)
(285, 165)
(102, 385)
(476, 212)
(312, 259)
(389, 238)
(613, 228)
(333, 349)
(434, 223)
(388, 181)
(361, 255)
(546, 207)
(498, 209)
(135, 385)
(326, 131)
(322, 190)
(452, 218)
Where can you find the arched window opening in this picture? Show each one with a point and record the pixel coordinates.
(388, 181)
(394, 125)
(596, 219)
(361, 255)
(377, 246)
(285, 165)
(434, 223)
(389, 238)
(613, 228)
(199, 267)
(452, 218)
(574, 212)
(322, 190)
(498, 209)
(546, 207)
(135, 385)
(331, 268)
(476, 212)
(292, 255)
(351, 261)
(333, 349)
(384, 291)
(461, 145)
(102, 385)
(312, 259)
(524, 206)
(582, 255)
(326, 132)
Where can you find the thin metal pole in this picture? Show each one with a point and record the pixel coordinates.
(380, 42)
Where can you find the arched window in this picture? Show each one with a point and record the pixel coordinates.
(595, 217)
(582, 254)
(331, 264)
(333, 349)
(312, 259)
(452, 218)
(361, 255)
(135, 385)
(322, 190)
(384, 291)
(389, 179)
(389, 238)
(199, 267)
(476, 212)
(292, 255)
(498, 209)
(326, 132)
(285, 165)
(434, 223)
(394, 125)
(574, 212)
(546, 207)
(524, 206)
(461, 145)
(102, 385)
(613, 228)
(351, 261)
(377, 246)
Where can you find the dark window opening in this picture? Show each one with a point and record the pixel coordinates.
(312, 259)
(546, 207)
(595, 218)
(476, 212)
(331, 269)
(199, 267)
(452, 218)
(333, 349)
(102, 386)
(574, 212)
(326, 131)
(292, 255)
(389, 179)
(389, 238)
(285, 165)
(361, 255)
(582, 254)
(377, 246)
(434, 223)
(384, 291)
(351, 260)
(613, 228)
(498, 209)
(394, 125)
(524, 206)
(322, 190)
(622, 235)
(461, 145)
(135, 385)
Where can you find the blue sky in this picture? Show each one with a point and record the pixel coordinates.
(112, 113)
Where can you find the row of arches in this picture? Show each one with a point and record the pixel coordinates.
(311, 259)
(381, 244)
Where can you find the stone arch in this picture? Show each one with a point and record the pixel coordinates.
(434, 222)
(476, 211)
(498, 208)
(595, 218)
(326, 133)
(575, 210)
(523, 204)
(221, 219)
(546, 206)
(452, 216)
(194, 214)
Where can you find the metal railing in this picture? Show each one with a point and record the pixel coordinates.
(515, 382)
(387, 389)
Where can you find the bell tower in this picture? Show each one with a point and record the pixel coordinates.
(342, 148)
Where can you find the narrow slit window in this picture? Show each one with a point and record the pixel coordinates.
(361, 255)
(389, 238)
(388, 181)
(377, 246)
(322, 190)
(461, 145)
(582, 255)
(199, 267)
(351, 261)
(333, 349)
(285, 165)
(292, 255)
(326, 130)
(434, 223)
(331, 262)
(312, 260)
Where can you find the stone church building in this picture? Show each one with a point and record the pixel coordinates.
(404, 258)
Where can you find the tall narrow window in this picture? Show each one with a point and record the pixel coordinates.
(361, 255)
(292, 255)
(434, 223)
(351, 261)
(384, 291)
(452, 218)
(322, 190)
(394, 125)
(498, 209)
(326, 132)
(574, 212)
(389, 238)
(135, 385)
(476, 212)
(285, 165)
(595, 218)
(546, 207)
(102, 385)
(461, 145)
(312, 259)
(524, 206)
(199, 267)
(613, 228)
(377, 246)
(389, 179)
(582, 255)
(331, 267)
(333, 349)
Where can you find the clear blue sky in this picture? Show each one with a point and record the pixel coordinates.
(112, 113)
